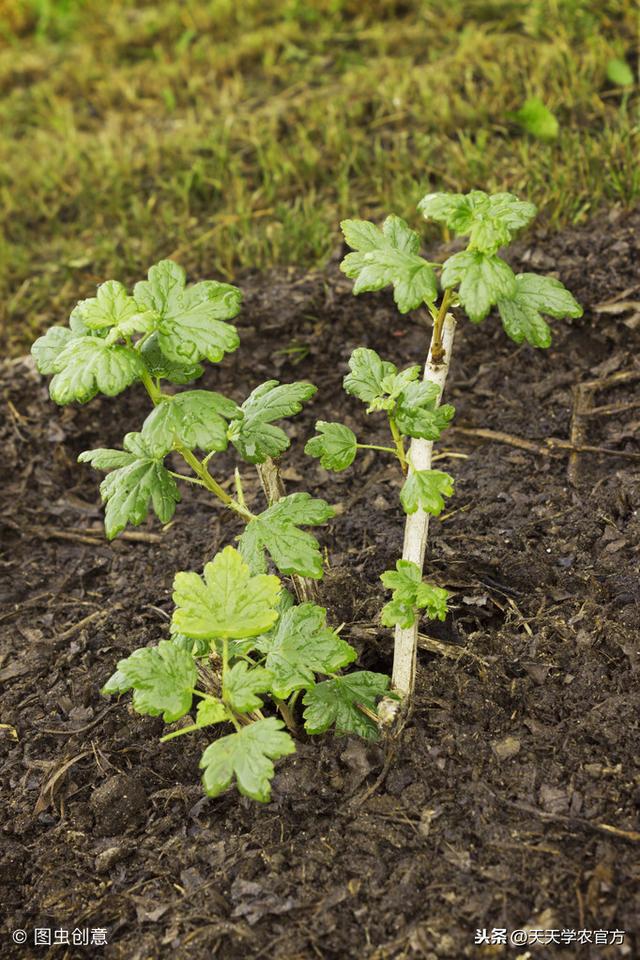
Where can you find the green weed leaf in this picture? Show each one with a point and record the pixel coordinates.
(138, 478)
(426, 490)
(390, 256)
(336, 446)
(247, 755)
(536, 119)
(226, 602)
(532, 296)
(620, 73)
(482, 281)
(338, 703)
(191, 319)
(254, 435)
(162, 679)
(277, 530)
(196, 419)
(301, 646)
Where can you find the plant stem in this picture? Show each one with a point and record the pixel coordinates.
(437, 351)
(287, 714)
(417, 524)
(154, 392)
(374, 446)
(399, 442)
(272, 484)
(203, 474)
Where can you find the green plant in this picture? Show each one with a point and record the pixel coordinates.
(237, 635)
(476, 279)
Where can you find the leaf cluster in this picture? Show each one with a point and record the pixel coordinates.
(238, 632)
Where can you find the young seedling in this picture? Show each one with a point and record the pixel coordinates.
(475, 280)
(237, 636)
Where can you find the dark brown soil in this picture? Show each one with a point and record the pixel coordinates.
(511, 797)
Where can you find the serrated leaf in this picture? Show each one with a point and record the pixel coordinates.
(398, 613)
(254, 435)
(191, 319)
(87, 366)
(301, 646)
(368, 374)
(197, 648)
(337, 703)
(246, 755)
(210, 711)
(489, 220)
(196, 419)
(117, 683)
(482, 281)
(388, 257)
(418, 414)
(158, 365)
(620, 73)
(426, 490)
(138, 478)
(277, 530)
(111, 307)
(433, 600)
(411, 593)
(226, 602)
(48, 348)
(336, 445)
(404, 580)
(534, 295)
(162, 679)
(241, 685)
(536, 118)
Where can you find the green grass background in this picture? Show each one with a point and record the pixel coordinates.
(237, 133)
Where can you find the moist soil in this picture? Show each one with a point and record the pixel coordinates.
(509, 799)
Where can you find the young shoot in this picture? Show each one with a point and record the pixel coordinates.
(473, 281)
(240, 653)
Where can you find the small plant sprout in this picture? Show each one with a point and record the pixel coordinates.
(241, 653)
(474, 280)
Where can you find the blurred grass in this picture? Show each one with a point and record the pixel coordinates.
(237, 134)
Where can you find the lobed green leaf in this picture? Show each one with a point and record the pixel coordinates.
(253, 434)
(195, 419)
(246, 755)
(426, 490)
(482, 280)
(191, 319)
(162, 679)
(277, 530)
(339, 702)
(489, 221)
(138, 479)
(226, 602)
(335, 446)
(301, 646)
(388, 257)
(532, 296)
